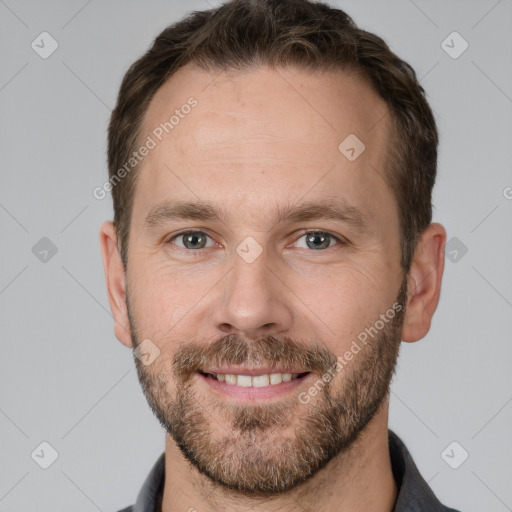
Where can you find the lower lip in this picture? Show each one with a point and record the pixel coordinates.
(254, 394)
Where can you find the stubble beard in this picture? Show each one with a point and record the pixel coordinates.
(262, 450)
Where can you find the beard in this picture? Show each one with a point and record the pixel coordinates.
(266, 449)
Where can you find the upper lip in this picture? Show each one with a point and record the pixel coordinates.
(253, 372)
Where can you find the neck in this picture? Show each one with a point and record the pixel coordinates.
(359, 479)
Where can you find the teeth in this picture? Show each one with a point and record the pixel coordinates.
(257, 381)
(230, 379)
(244, 380)
(276, 378)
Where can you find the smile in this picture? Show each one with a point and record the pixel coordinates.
(250, 385)
(256, 381)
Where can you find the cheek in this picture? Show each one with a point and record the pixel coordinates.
(342, 302)
(158, 299)
(168, 299)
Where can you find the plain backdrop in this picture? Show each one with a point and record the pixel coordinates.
(64, 378)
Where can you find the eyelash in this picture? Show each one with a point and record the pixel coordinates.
(305, 233)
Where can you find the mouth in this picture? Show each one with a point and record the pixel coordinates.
(249, 379)
(252, 385)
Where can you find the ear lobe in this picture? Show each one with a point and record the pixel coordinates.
(116, 282)
(424, 283)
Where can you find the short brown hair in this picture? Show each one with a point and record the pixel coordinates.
(311, 35)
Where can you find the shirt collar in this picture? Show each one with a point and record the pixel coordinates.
(414, 494)
(147, 499)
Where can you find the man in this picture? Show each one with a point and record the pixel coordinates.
(271, 167)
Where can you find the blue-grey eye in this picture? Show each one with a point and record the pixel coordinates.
(192, 240)
(318, 240)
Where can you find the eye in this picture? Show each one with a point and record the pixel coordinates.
(191, 240)
(196, 240)
(318, 240)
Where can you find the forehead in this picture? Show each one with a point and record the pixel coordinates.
(253, 134)
(328, 104)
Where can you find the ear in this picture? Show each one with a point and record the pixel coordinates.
(116, 282)
(424, 283)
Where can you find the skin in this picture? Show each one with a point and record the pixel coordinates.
(257, 140)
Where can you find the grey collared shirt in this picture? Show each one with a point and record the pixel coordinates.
(414, 494)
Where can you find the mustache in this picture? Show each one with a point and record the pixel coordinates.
(269, 351)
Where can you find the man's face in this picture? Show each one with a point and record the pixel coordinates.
(256, 294)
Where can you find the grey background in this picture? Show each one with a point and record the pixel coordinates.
(66, 380)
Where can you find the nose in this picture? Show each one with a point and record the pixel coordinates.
(253, 301)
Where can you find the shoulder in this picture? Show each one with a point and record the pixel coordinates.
(414, 493)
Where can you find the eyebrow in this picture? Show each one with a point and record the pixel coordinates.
(337, 210)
